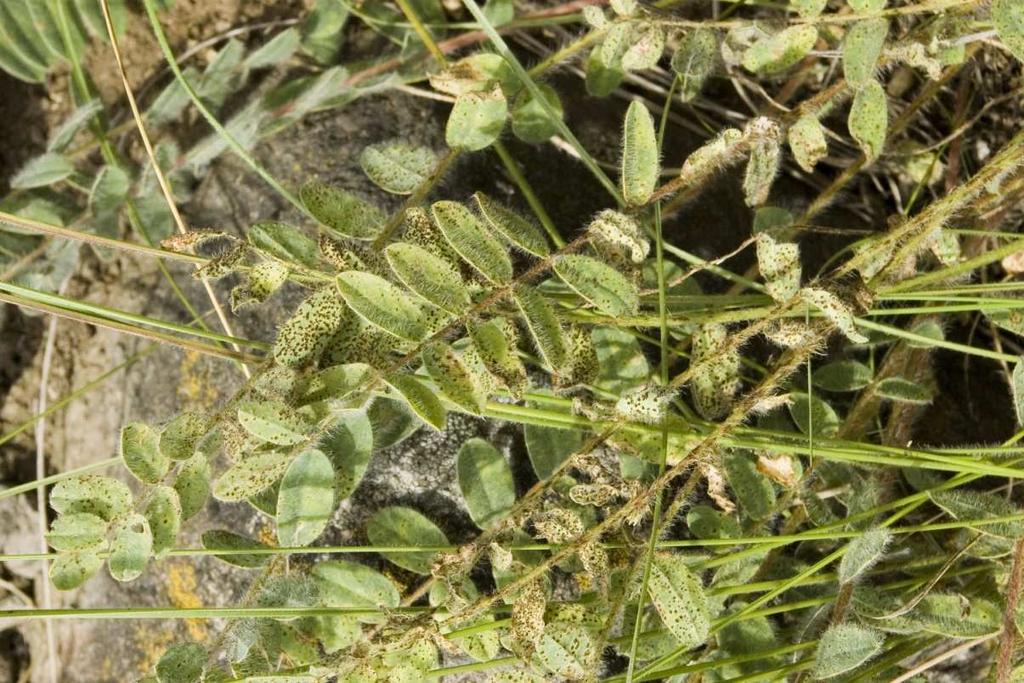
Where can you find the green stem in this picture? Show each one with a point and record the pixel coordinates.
(531, 198)
(106, 313)
(54, 478)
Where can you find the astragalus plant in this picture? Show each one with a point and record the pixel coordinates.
(728, 480)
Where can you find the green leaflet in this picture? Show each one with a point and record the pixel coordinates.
(180, 436)
(640, 166)
(348, 445)
(397, 167)
(453, 379)
(251, 476)
(648, 403)
(130, 549)
(500, 12)
(567, 650)
(599, 283)
(869, 119)
(844, 647)
(183, 663)
(622, 363)
(835, 310)
(476, 120)
(861, 49)
(754, 491)
(964, 504)
(842, 375)
(108, 192)
(65, 134)
(903, 391)
(603, 76)
(19, 53)
(306, 499)
(808, 8)
(322, 30)
(193, 485)
(43, 170)
(420, 398)
(221, 539)
(544, 326)
(1008, 19)
(305, 334)
(404, 526)
(762, 168)
(70, 570)
(780, 51)
(595, 17)
(341, 383)
(391, 421)
(519, 231)
(863, 553)
(866, 6)
(704, 521)
(954, 616)
(497, 351)
(694, 61)
(78, 531)
(140, 450)
(434, 279)
(468, 238)
(342, 212)
(581, 367)
(780, 265)
(265, 278)
(679, 598)
(807, 142)
(222, 75)
(163, 512)
(530, 120)
(618, 236)
(485, 480)
(271, 422)
(823, 420)
(623, 8)
(284, 242)
(278, 49)
(102, 496)
(716, 375)
(349, 584)
(749, 637)
(645, 49)
(382, 304)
